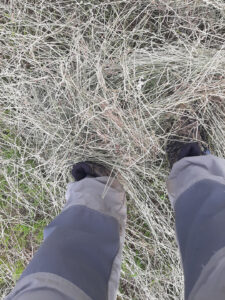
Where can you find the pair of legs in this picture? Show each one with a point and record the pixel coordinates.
(81, 254)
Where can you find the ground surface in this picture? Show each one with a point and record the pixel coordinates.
(106, 81)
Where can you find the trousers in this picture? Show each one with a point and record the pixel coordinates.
(80, 257)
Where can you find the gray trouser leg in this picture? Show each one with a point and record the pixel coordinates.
(81, 253)
(196, 189)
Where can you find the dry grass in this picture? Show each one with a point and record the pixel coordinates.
(107, 81)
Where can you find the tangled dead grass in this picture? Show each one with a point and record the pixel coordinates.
(105, 81)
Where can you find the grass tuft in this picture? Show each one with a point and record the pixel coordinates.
(106, 81)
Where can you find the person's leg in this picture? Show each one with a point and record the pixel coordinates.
(81, 254)
(196, 189)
